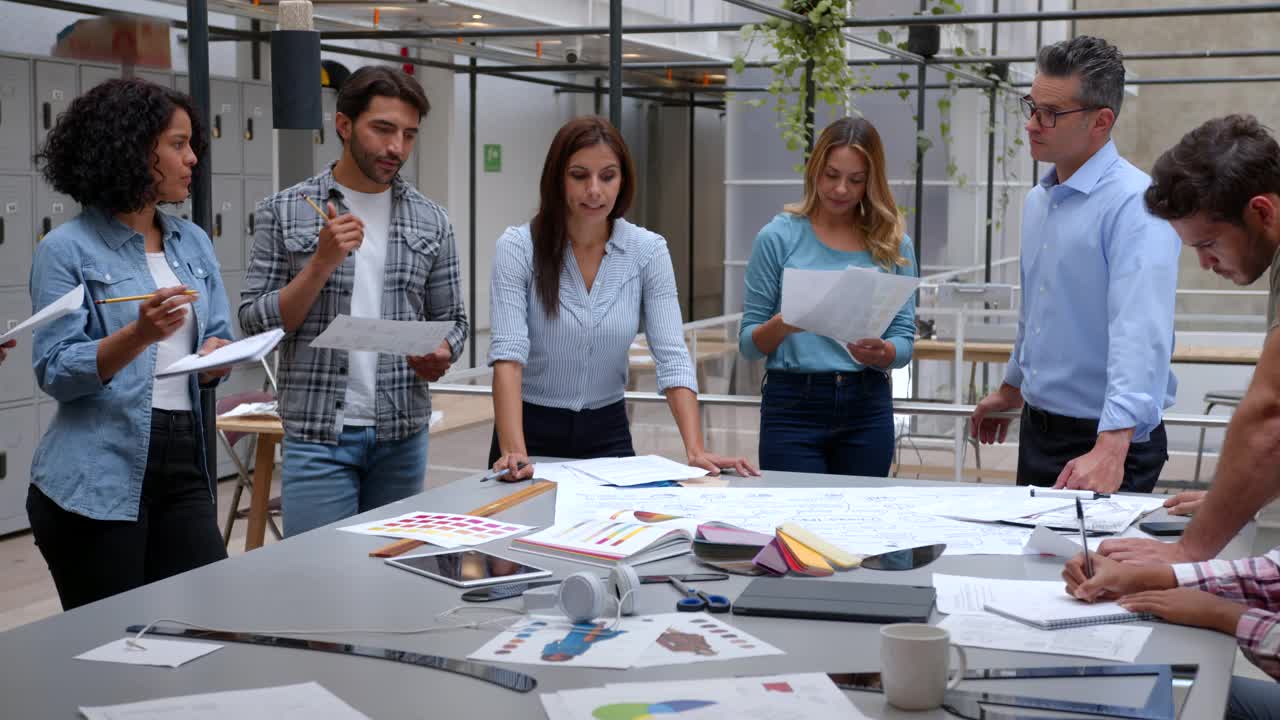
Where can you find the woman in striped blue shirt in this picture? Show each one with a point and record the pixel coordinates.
(569, 292)
(827, 407)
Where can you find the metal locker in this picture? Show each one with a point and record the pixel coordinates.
(15, 114)
(259, 151)
(56, 86)
(255, 190)
(163, 79)
(17, 448)
(52, 209)
(93, 75)
(16, 240)
(227, 232)
(327, 146)
(225, 136)
(16, 379)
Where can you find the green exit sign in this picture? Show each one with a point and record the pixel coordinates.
(493, 158)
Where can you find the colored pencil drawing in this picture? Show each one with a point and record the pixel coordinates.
(577, 641)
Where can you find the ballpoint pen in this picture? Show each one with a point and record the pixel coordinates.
(502, 473)
(1050, 492)
(1084, 540)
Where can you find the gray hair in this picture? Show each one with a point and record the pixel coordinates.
(1098, 62)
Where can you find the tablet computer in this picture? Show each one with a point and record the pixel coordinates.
(468, 568)
(817, 600)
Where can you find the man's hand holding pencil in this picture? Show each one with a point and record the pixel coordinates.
(341, 235)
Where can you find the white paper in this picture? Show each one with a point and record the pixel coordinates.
(446, 530)
(1044, 541)
(1105, 515)
(69, 302)
(701, 637)
(306, 701)
(858, 520)
(638, 470)
(1120, 643)
(163, 653)
(253, 409)
(250, 349)
(964, 594)
(554, 641)
(801, 696)
(1000, 504)
(563, 473)
(845, 305)
(393, 337)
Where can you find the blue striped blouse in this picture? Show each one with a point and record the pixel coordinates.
(579, 359)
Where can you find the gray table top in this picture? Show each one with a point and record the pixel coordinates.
(324, 579)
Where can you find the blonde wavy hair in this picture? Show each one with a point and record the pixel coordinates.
(877, 214)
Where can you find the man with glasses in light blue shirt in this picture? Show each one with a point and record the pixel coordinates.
(1090, 366)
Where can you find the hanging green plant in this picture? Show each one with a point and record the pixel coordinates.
(820, 45)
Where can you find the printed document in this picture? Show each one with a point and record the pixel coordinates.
(73, 299)
(845, 305)
(393, 337)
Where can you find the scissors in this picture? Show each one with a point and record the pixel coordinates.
(696, 600)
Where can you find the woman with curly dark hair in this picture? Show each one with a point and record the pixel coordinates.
(119, 494)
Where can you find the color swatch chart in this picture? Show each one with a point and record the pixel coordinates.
(445, 530)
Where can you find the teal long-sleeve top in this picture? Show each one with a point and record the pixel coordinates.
(788, 241)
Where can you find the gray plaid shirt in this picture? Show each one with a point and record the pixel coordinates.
(422, 283)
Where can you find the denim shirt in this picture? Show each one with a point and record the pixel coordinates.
(94, 455)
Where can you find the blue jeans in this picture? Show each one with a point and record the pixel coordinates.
(327, 483)
(1252, 699)
(837, 423)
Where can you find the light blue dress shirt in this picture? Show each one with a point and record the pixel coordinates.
(1095, 332)
(788, 241)
(580, 358)
(93, 458)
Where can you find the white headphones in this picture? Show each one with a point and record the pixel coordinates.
(584, 597)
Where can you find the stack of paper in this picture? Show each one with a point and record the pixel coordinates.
(639, 470)
(250, 349)
(794, 697)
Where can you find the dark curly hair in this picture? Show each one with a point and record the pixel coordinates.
(101, 151)
(1215, 169)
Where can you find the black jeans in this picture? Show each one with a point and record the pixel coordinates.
(580, 435)
(1047, 442)
(837, 423)
(176, 529)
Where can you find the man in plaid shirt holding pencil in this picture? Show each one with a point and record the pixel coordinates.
(355, 240)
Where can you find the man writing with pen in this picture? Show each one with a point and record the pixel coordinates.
(355, 422)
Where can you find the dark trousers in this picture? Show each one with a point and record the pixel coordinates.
(1047, 442)
(176, 529)
(838, 423)
(576, 434)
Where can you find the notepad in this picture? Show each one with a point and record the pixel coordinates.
(250, 349)
(1063, 611)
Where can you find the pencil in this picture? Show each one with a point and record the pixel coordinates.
(131, 298)
(323, 215)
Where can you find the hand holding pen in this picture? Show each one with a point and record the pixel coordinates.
(1084, 540)
(340, 236)
(512, 467)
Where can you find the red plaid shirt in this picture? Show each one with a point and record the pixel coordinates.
(1254, 582)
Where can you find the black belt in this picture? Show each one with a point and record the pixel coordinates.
(1048, 422)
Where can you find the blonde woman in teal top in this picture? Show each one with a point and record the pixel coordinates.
(827, 407)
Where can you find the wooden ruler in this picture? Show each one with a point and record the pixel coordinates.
(493, 508)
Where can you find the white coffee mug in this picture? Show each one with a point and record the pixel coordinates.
(914, 659)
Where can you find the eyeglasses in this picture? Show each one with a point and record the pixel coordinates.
(1047, 118)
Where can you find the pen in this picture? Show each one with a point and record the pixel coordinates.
(1086, 494)
(131, 298)
(501, 473)
(1084, 540)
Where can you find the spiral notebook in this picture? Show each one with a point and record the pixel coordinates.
(1063, 611)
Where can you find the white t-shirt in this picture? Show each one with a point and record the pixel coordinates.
(360, 406)
(171, 393)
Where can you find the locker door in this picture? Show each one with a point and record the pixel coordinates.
(56, 86)
(16, 379)
(52, 209)
(17, 448)
(15, 114)
(255, 190)
(226, 138)
(16, 240)
(259, 152)
(163, 79)
(228, 225)
(328, 147)
(93, 75)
